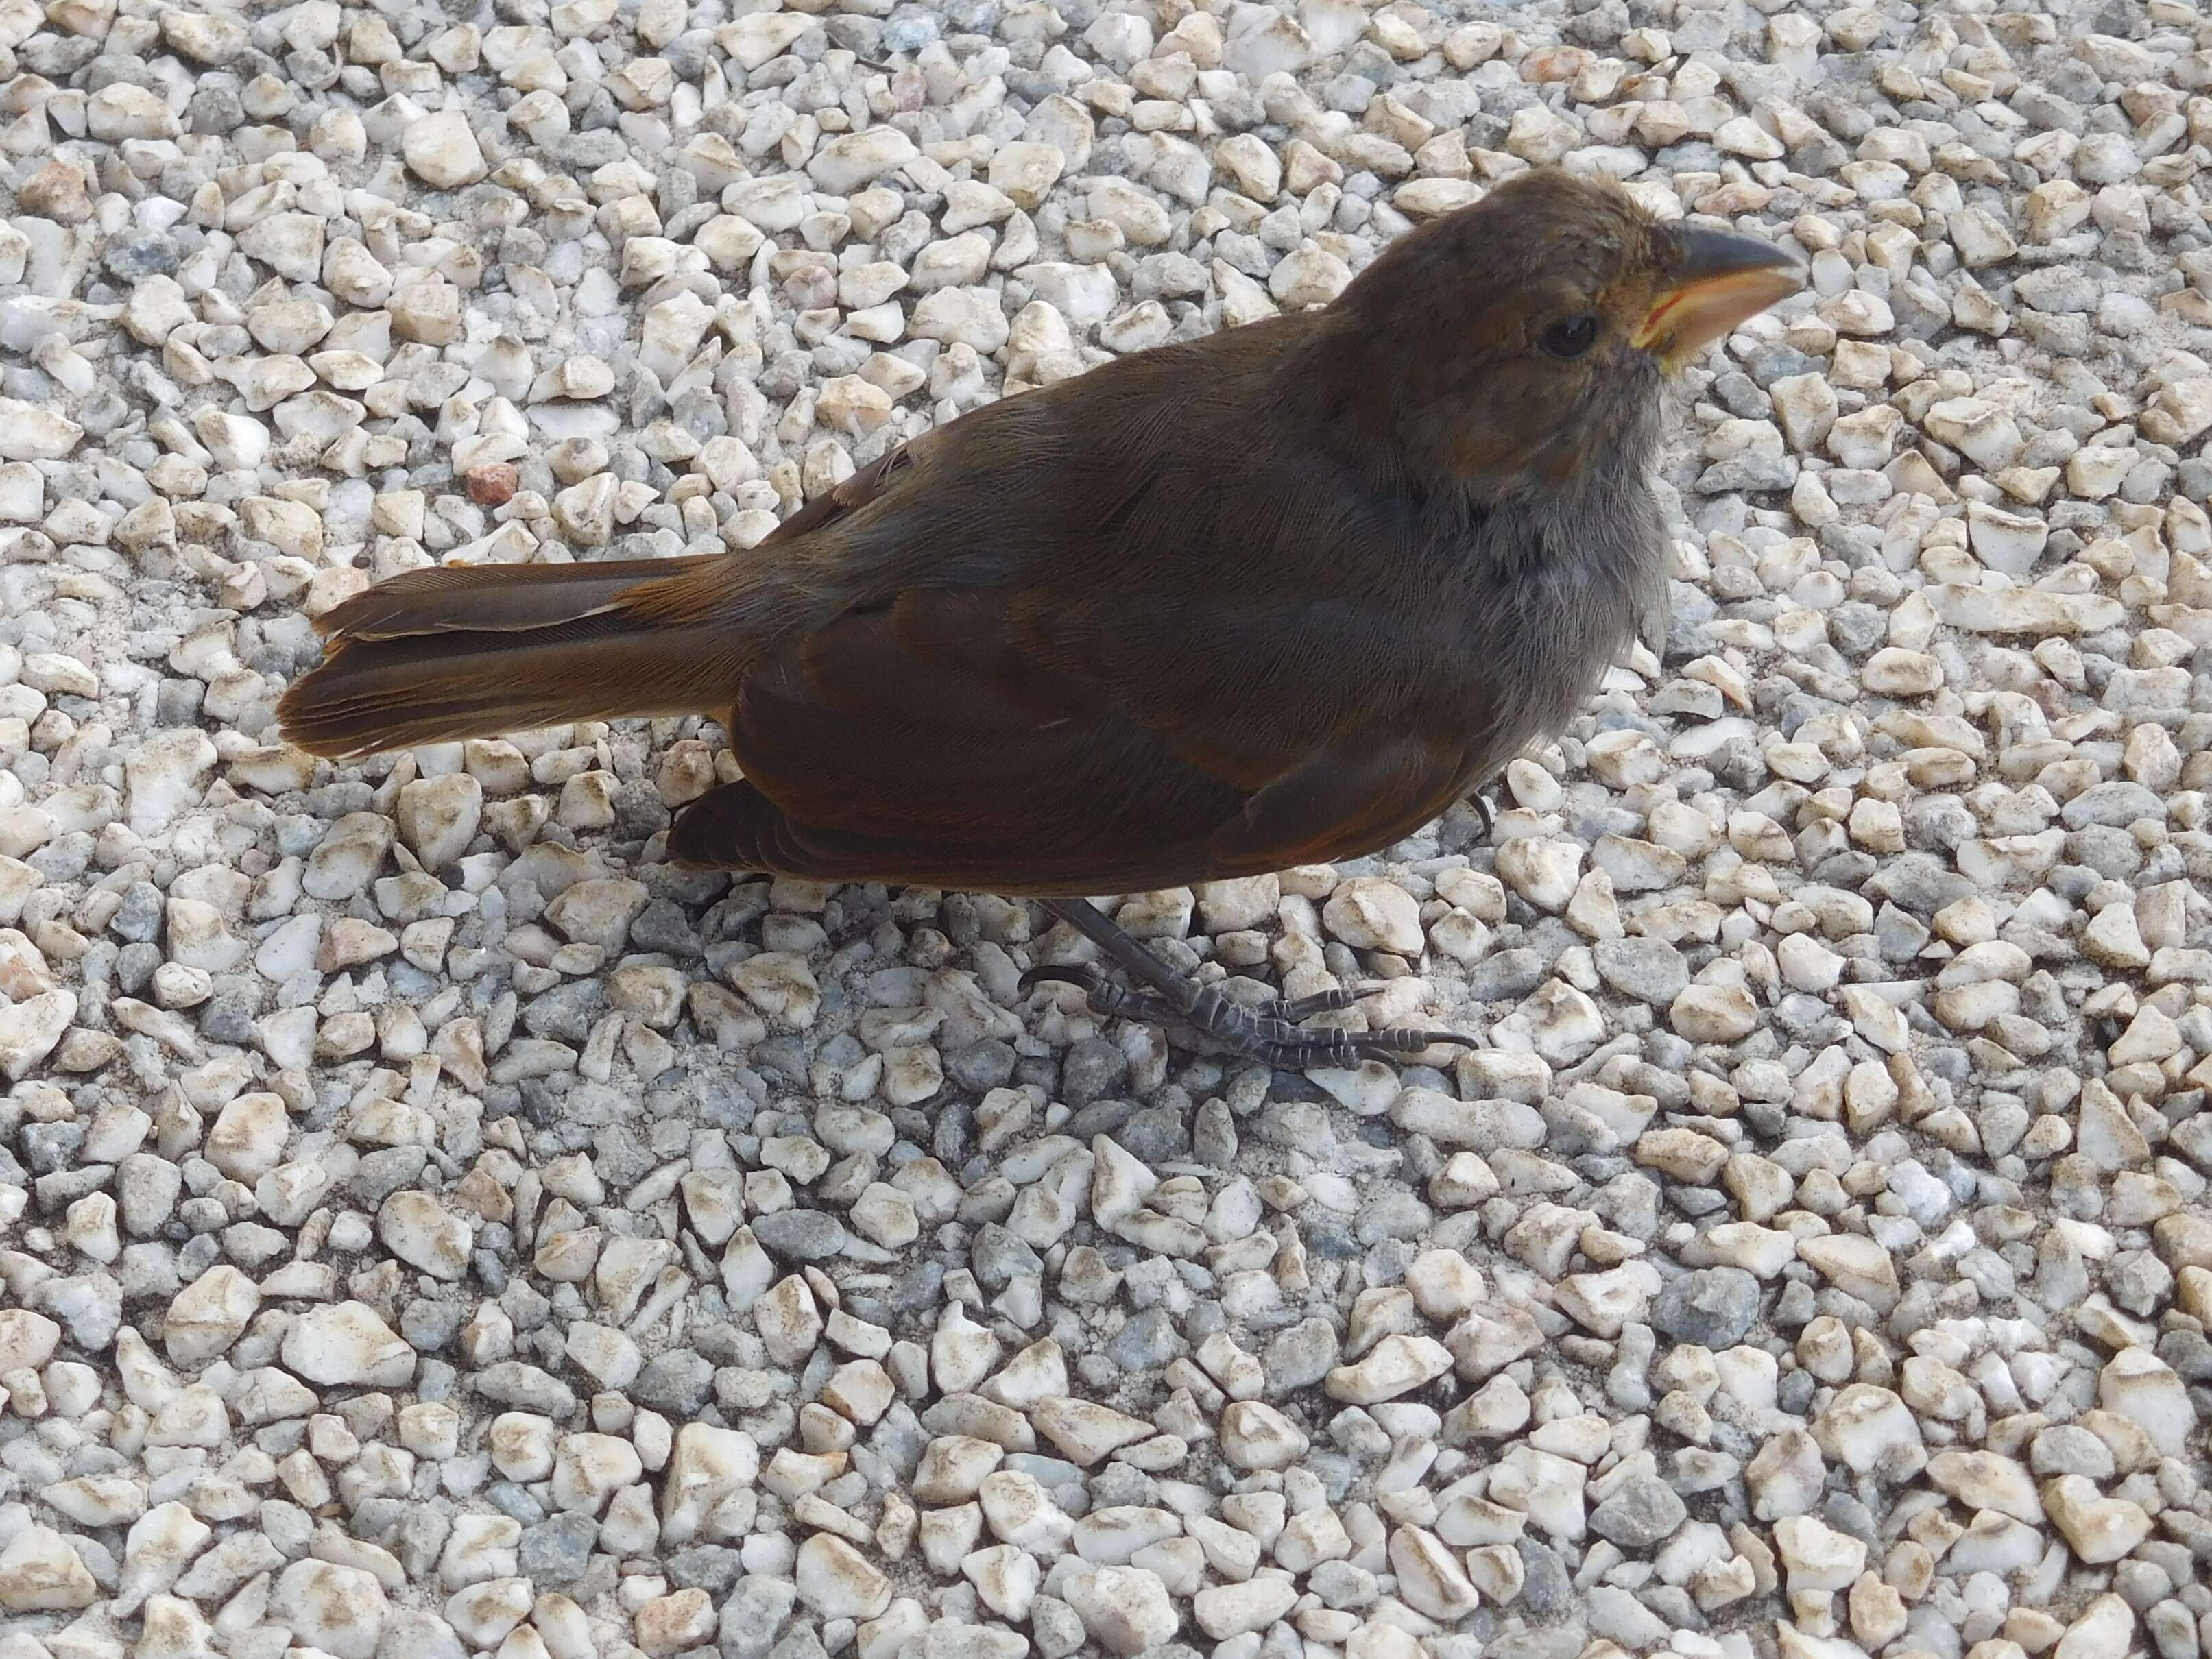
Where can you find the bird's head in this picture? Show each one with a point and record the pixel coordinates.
(1524, 339)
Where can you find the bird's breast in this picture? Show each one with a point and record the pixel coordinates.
(1554, 594)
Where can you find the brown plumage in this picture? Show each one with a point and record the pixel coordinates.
(1273, 597)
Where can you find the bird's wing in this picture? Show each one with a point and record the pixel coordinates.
(856, 492)
(952, 739)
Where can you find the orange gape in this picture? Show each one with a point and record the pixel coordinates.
(1273, 597)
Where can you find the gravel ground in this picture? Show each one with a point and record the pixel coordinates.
(428, 1224)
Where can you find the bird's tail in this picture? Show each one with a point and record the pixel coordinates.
(434, 656)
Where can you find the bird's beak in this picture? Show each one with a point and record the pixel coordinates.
(1720, 279)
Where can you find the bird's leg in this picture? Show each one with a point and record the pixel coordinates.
(1269, 1033)
(1107, 998)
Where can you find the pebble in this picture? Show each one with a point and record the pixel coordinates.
(1369, 913)
(1124, 1609)
(347, 1343)
(338, 1608)
(838, 1581)
(40, 1573)
(442, 151)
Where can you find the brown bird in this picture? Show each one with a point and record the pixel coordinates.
(1274, 597)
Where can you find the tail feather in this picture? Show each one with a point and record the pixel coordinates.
(471, 651)
(498, 598)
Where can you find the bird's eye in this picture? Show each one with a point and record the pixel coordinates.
(1569, 336)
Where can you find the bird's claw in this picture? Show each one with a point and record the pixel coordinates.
(1268, 1032)
(1487, 810)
